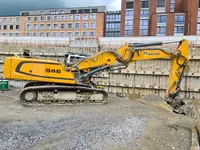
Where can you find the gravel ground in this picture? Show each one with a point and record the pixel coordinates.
(120, 125)
(82, 131)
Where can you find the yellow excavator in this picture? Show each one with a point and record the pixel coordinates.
(53, 82)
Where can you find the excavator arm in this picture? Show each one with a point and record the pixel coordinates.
(129, 53)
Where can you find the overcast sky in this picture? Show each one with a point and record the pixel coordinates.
(12, 7)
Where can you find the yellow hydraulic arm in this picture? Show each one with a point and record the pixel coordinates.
(135, 52)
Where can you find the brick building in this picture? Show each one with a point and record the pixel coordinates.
(11, 25)
(66, 22)
(160, 17)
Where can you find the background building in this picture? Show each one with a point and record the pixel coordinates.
(112, 24)
(159, 17)
(67, 22)
(11, 26)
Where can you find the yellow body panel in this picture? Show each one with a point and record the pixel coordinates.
(37, 70)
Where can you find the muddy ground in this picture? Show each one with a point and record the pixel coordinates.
(123, 124)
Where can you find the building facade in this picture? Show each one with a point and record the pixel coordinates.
(160, 17)
(112, 24)
(11, 26)
(67, 22)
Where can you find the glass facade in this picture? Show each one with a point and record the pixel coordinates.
(112, 26)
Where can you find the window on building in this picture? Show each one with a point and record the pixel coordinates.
(35, 19)
(55, 26)
(77, 34)
(29, 19)
(162, 19)
(42, 18)
(199, 3)
(17, 34)
(41, 26)
(128, 32)
(17, 19)
(143, 31)
(0, 19)
(129, 5)
(41, 12)
(92, 34)
(35, 26)
(144, 24)
(52, 12)
(179, 19)
(42, 34)
(73, 11)
(55, 34)
(85, 16)
(77, 17)
(84, 34)
(128, 24)
(48, 26)
(114, 17)
(17, 27)
(5, 19)
(34, 34)
(56, 18)
(81, 11)
(94, 10)
(28, 34)
(116, 26)
(87, 11)
(160, 3)
(198, 29)
(62, 34)
(129, 14)
(0, 27)
(85, 25)
(5, 27)
(144, 13)
(11, 27)
(62, 11)
(48, 18)
(198, 24)
(93, 16)
(172, 5)
(63, 18)
(62, 25)
(161, 30)
(69, 17)
(57, 12)
(77, 25)
(92, 25)
(145, 4)
(11, 34)
(69, 26)
(28, 26)
(11, 19)
(5, 34)
(144, 27)
(179, 30)
(48, 34)
(69, 34)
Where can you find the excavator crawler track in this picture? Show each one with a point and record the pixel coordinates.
(62, 95)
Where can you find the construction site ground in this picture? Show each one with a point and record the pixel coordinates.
(122, 124)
